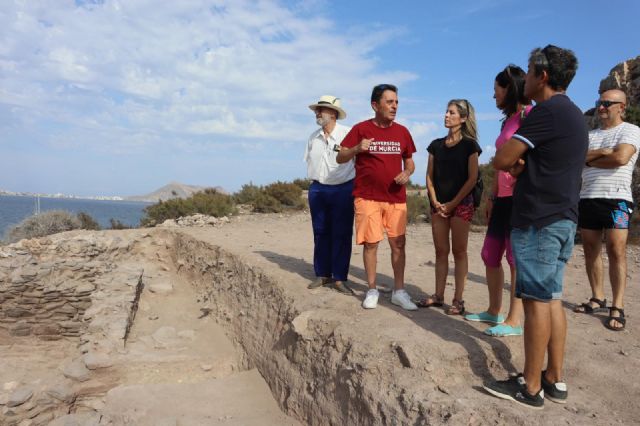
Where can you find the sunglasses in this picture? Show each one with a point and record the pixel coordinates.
(606, 104)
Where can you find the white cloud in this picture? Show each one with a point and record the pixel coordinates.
(238, 69)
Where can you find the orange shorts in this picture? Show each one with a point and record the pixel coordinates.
(373, 218)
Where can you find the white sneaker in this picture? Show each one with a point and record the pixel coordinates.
(401, 298)
(371, 301)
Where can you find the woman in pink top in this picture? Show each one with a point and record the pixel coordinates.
(509, 95)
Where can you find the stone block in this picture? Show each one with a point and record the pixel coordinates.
(21, 328)
(16, 312)
(46, 329)
(95, 360)
(19, 396)
(62, 391)
(76, 370)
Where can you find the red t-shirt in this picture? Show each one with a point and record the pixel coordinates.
(376, 169)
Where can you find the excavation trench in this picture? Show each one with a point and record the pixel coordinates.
(317, 371)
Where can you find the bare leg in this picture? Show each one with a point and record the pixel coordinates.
(370, 258)
(495, 281)
(537, 333)
(440, 231)
(398, 260)
(459, 240)
(616, 250)
(555, 353)
(516, 310)
(592, 244)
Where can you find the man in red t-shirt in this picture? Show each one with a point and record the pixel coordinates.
(383, 151)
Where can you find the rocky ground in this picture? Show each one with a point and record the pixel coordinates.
(226, 332)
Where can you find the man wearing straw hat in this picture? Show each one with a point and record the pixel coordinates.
(330, 199)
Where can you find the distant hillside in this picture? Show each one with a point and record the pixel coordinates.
(172, 190)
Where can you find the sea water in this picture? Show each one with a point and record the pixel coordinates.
(14, 209)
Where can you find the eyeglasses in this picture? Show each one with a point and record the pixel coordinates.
(606, 104)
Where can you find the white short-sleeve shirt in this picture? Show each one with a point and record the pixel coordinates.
(321, 157)
(611, 183)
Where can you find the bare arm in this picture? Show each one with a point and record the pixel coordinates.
(431, 190)
(347, 154)
(616, 157)
(494, 193)
(405, 174)
(508, 155)
(592, 154)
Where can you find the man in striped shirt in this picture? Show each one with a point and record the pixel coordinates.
(606, 203)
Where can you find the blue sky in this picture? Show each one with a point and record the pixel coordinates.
(122, 97)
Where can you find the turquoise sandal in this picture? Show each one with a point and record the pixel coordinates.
(485, 317)
(503, 330)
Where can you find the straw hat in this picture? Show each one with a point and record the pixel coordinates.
(332, 102)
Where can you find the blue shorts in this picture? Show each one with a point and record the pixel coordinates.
(540, 256)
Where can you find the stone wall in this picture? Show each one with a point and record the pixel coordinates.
(46, 285)
(77, 286)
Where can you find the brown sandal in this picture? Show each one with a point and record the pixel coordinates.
(456, 308)
(430, 301)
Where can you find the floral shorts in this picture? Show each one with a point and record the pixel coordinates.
(464, 210)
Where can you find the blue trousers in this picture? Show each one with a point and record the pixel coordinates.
(332, 220)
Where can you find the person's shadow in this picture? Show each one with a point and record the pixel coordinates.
(455, 330)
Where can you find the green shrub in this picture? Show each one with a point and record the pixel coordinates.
(265, 203)
(288, 194)
(488, 174)
(411, 185)
(87, 222)
(212, 203)
(47, 223)
(209, 202)
(418, 209)
(116, 224)
(304, 184)
(247, 194)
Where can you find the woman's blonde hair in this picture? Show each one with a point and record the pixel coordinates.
(469, 128)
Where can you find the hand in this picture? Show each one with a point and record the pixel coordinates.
(402, 178)
(447, 208)
(363, 146)
(517, 168)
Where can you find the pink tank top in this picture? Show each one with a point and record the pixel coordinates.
(506, 182)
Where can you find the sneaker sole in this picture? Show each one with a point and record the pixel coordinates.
(502, 335)
(510, 398)
(406, 309)
(484, 321)
(556, 400)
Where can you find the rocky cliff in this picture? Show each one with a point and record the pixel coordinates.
(625, 76)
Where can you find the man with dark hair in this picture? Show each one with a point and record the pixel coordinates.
(330, 199)
(606, 204)
(383, 151)
(547, 154)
